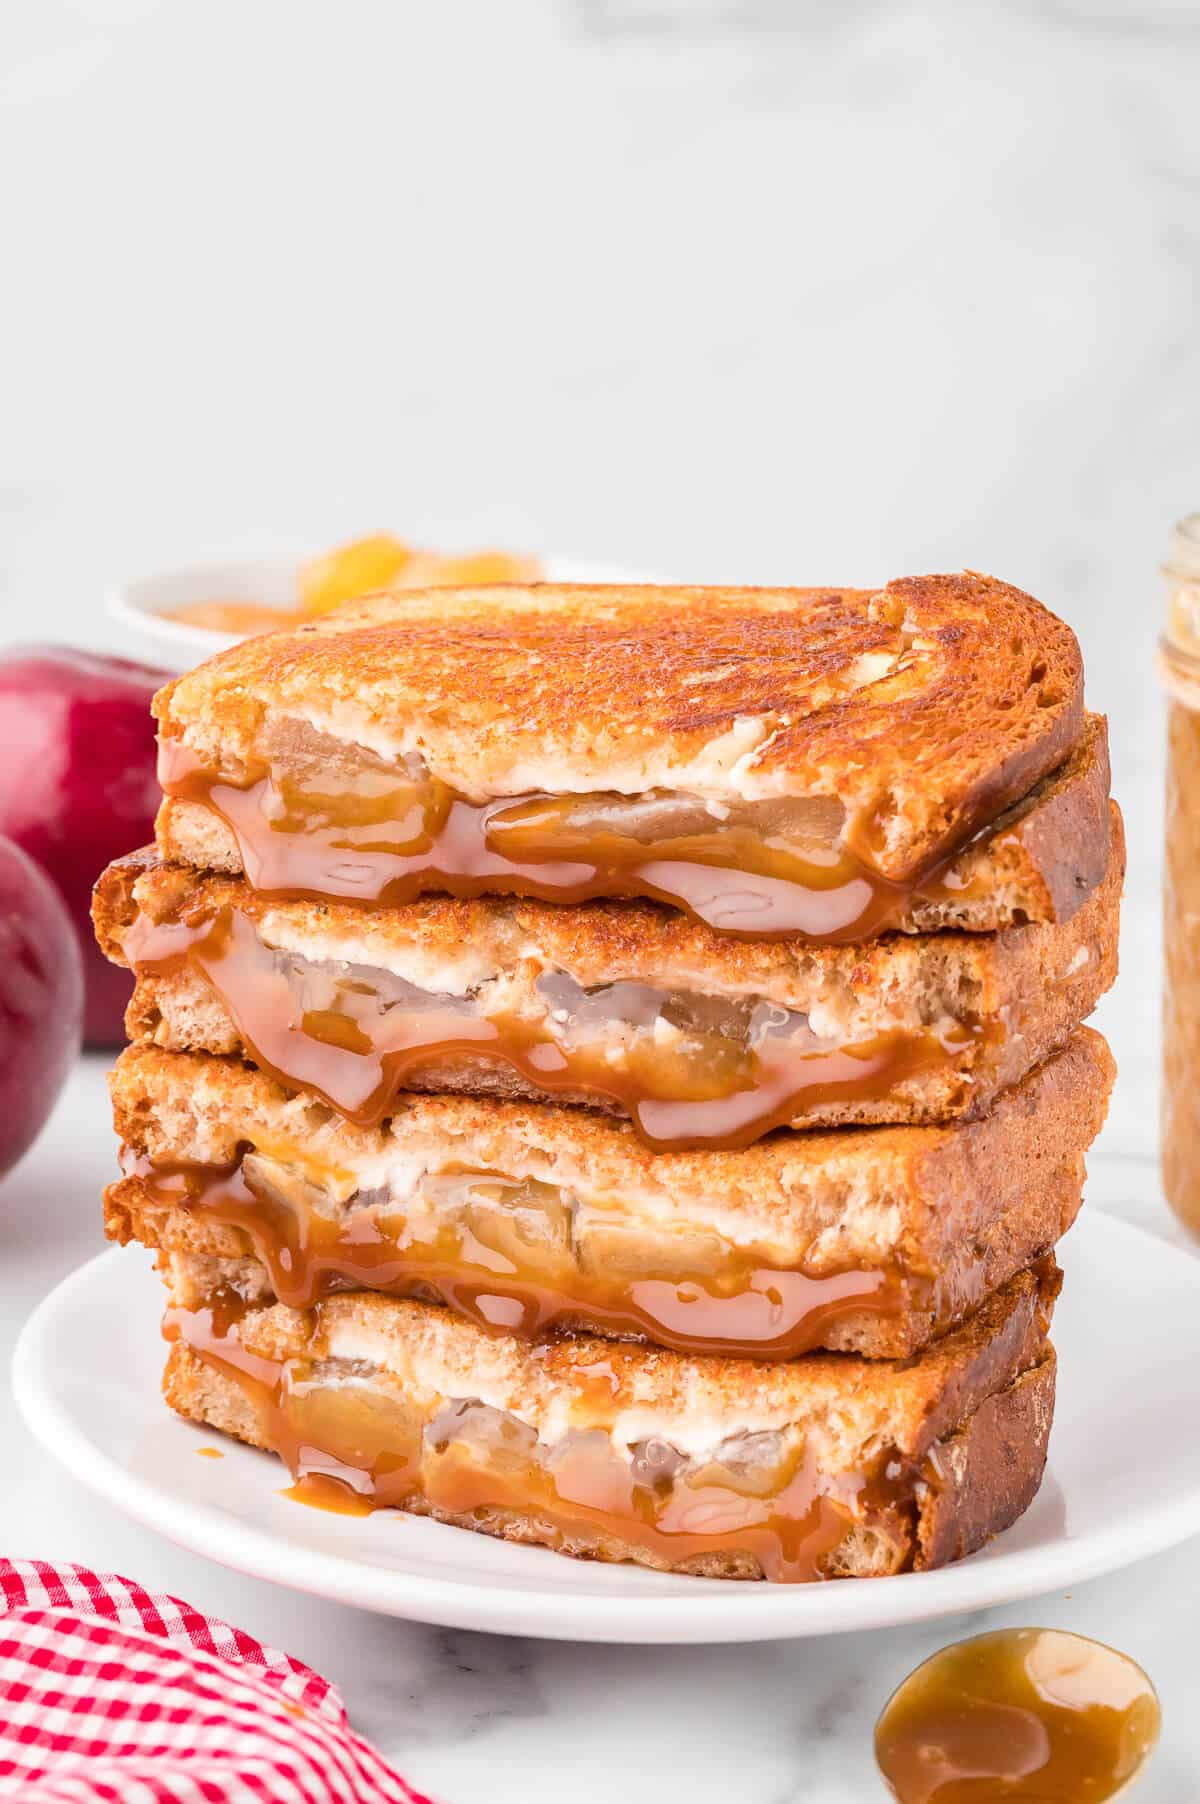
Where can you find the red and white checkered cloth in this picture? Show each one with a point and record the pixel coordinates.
(110, 1695)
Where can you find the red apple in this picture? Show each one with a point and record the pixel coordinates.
(77, 787)
(41, 1000)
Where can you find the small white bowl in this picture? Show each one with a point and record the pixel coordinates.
(143, 605)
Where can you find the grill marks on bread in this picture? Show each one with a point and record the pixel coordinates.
(925, 709)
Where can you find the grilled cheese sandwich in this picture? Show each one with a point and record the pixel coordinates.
(828, 1467)
(530, 1219)
(804, 762)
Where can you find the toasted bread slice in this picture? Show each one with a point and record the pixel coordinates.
(700, 1039)
(777, 762)
(925, 708)
(537, 1218)
(829, 1467)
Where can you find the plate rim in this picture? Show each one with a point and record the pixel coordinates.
(710, 1611)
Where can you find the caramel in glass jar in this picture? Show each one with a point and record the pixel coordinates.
(1179, 662)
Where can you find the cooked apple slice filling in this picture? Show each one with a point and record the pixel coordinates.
(357, 1436)
(689, 1068)
(526, 1256)
(314, 816)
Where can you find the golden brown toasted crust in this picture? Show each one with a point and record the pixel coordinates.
(1040, 981)
(1051, 848)
(989, 1470)
(926, 708)
(974, 1410)
(1040, 858)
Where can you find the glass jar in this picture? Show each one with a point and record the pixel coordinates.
(1179, 663)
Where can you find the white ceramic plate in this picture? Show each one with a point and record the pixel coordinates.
(142, 605)
(1123, 1481)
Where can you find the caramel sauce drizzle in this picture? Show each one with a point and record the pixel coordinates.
(485, 1267)
(375, 837)
(356, 1447)
(1033, 1714)
(359, 1052)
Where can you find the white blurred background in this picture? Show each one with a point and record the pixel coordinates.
(732, 290)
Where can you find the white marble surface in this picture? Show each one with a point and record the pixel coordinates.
(738, 289)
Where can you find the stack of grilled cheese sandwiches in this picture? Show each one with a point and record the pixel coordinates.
(607, 1066)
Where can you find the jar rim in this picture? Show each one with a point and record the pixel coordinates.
(1179, 672)
(1183, 559)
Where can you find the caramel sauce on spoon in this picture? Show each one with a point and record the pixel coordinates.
(1034, 1715)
